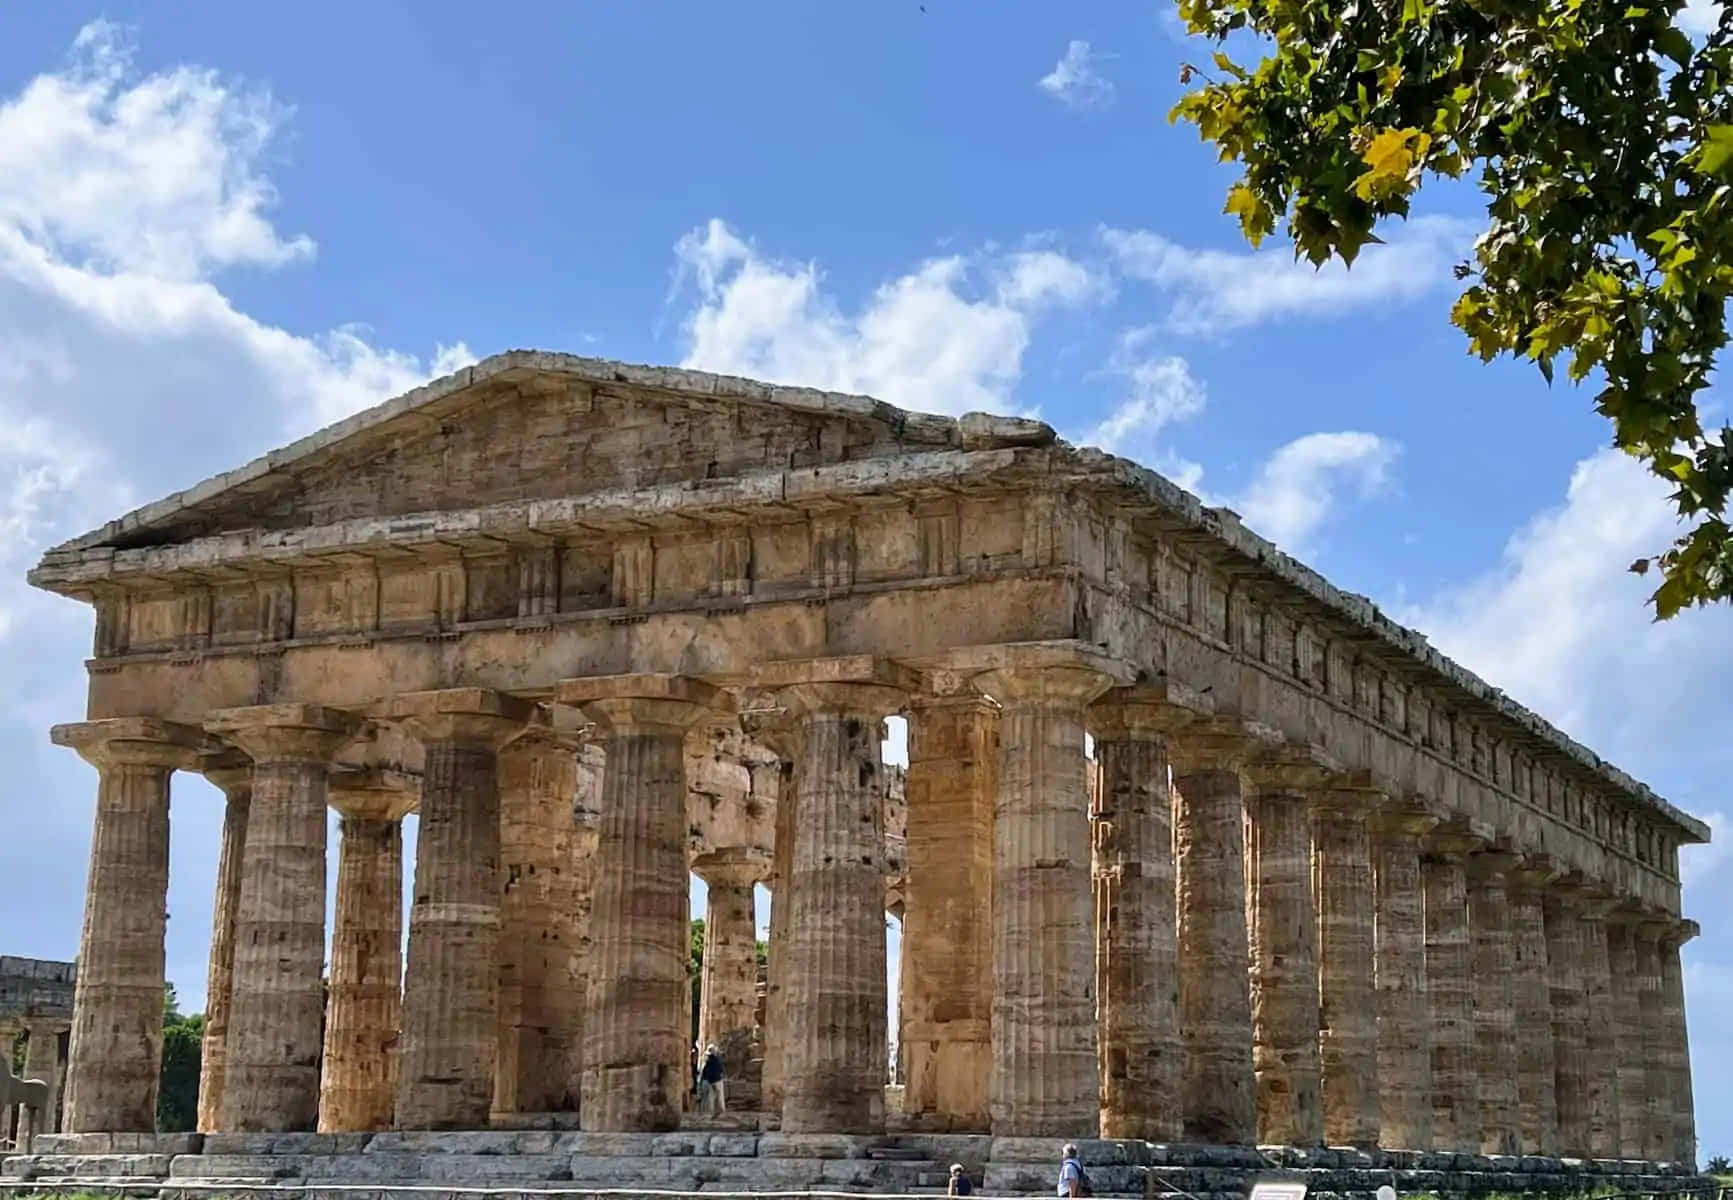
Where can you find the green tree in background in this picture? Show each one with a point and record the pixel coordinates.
(1602, 140)
(177, 1100)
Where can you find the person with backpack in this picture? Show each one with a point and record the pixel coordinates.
(960, 1184)
(710, 1084)
(1073, 1179)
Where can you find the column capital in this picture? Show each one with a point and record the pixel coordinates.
(624, 703)
(134, 741)
(1151, 708)
(1223, 742)
(737, 865)
(476, 715)
(285, 732)
(373, 793)
(1291, 767)
(1450, 843)
(852, 683)
(1492, 863)
(1403, 820)
(228, 770)
(1673, 932)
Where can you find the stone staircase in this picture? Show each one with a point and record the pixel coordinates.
(733, 1156)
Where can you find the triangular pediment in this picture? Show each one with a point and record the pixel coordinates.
(528, 425)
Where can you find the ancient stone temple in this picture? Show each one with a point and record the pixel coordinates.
(1314, 885)
(35, 1006)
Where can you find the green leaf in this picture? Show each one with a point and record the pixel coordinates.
(1716, 152)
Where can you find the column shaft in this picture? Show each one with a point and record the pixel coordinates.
(947, 984)
(1347, 1004)
(1283, 940)
(776, 970)
(450, 1039)
(1600, 1033)
(1045, 1079)
(1215, 1017)
(111, 1084)
(636, 1018)
(1531, 992)
(540, 1005)
(1450, 989)
(237, 786)
(835, 1056)
(1624, 971)
(1404, 1006)
(1676, 1050)
(1570, 1077)
(42, 1061)
(1139, 999)
(728, 987)
(359, 1081)
(1495, 1046)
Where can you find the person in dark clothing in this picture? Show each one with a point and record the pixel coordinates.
(712, 1089)
(960, 1185)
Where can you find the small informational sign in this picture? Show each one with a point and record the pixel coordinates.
(1278, 1190)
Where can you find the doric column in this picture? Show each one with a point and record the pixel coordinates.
(1404, 1007)
(947, 982)
(1217, 1087)
(232, 774)
(636, 1025)
(1450, 991)
(834, 1055)
(1564, 964)
(1136, 952)
(1282, 937)
(116, 1054)
(277, 992)
(1046, 1079)
(449, 1043)
(1347, 996)
(1628, 984)
(42, 1061)
(1531, 995)
(358, 1085)
(728, 987)
(779, 736)
(1495, 1045)
(586, 836)
(1675, 1046)
(541, 1008)
(1600, 1034)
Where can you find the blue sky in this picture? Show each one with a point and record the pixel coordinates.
(221, 227)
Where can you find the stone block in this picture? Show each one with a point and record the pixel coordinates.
(606, 1145)
(286, 1143)
(494, 1168)
(101, 1166)
(679, 1145)
(73, 1143)
(732, 1145)
(815, 1145)
(608, 1170)
(1048, 1150)
(420, 1141)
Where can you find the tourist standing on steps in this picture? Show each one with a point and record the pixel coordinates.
(1073, 1180)
(960, 1185)
(710, 1084)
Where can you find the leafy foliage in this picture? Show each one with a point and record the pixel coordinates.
(1602, 139)
(177, 1098)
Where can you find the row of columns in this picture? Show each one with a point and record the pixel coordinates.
(1279, 960)
(42, 1061)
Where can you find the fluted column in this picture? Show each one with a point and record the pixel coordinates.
(834, 1056)
(1347, 996)
(1564, 965)
(1531, 996)
(1450, 990)
(277, 993)
(1600, 1032)
(1136, 950)
(449, 1043)
(586, 836)
(358, 1084)
(1282, 937)
(1675, 1045)
(780, 737)
(1496, 1065)
(116, 1051)
(540, 1004)
(636, 1025)
(1404, 1006)
(1217, 1087)
(728, 984)
(1045, 1079)
(947, 981)
(232, 774)
(42, 1061)
(1625, 974)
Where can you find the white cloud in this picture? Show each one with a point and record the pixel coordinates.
(933, 339)
(1076, 80)
(125, 373)
(1160, 390)
(1699, 17)
(1297, 487)
(1216, 291)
